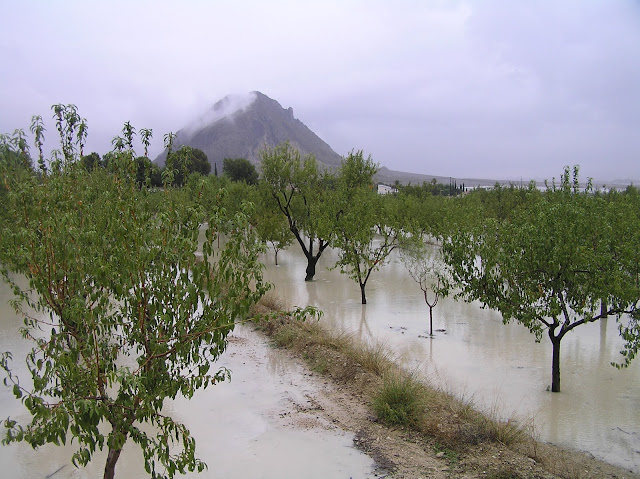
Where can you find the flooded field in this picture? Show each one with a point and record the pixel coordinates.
(243, 428)
(498, 367)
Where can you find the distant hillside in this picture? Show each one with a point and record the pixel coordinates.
(238, 127)
(389, 177)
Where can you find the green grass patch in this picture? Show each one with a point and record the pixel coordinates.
(400, 401)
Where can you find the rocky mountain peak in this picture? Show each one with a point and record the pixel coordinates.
(240, 126)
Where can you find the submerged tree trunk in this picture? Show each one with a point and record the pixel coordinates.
(362, 295)
(110, 466)
(431, 305)
(555, 364)
(312, 259)
(311, 267)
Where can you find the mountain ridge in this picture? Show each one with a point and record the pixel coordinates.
(238, 127)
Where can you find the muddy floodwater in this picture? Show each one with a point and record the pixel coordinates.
(243, 429)
(498, 367)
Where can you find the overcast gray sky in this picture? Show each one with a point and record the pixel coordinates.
(486, 88)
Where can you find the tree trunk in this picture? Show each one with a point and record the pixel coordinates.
(276, 257)
(110, 466)
(311, 267)
(555, 365)
(364, 298)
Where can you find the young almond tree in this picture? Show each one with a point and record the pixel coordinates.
(121, 313)
(554, 264)
(366, 228)
(426, 267)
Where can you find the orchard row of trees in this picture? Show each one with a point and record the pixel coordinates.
(431, 188)
(551, 260)
(179, 166)
(127, 317)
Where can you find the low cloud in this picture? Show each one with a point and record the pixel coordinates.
(224, 108)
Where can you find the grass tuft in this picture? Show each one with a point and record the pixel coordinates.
(271, 302)
(400, 401)
(285, 337)
(374, 358)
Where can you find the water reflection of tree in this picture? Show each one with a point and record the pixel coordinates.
(603, 337)
(364, 325)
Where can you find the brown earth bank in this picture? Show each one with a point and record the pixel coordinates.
(410, 429)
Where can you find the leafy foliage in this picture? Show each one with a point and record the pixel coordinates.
(561, 259)
(186, 161)
(240, 169)
(122, 313)
(272, 226)
(366, 227)
(91, 161)
(432, 188)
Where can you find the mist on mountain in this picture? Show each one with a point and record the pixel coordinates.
(240, 126)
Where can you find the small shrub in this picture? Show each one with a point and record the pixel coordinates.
(400, 401)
